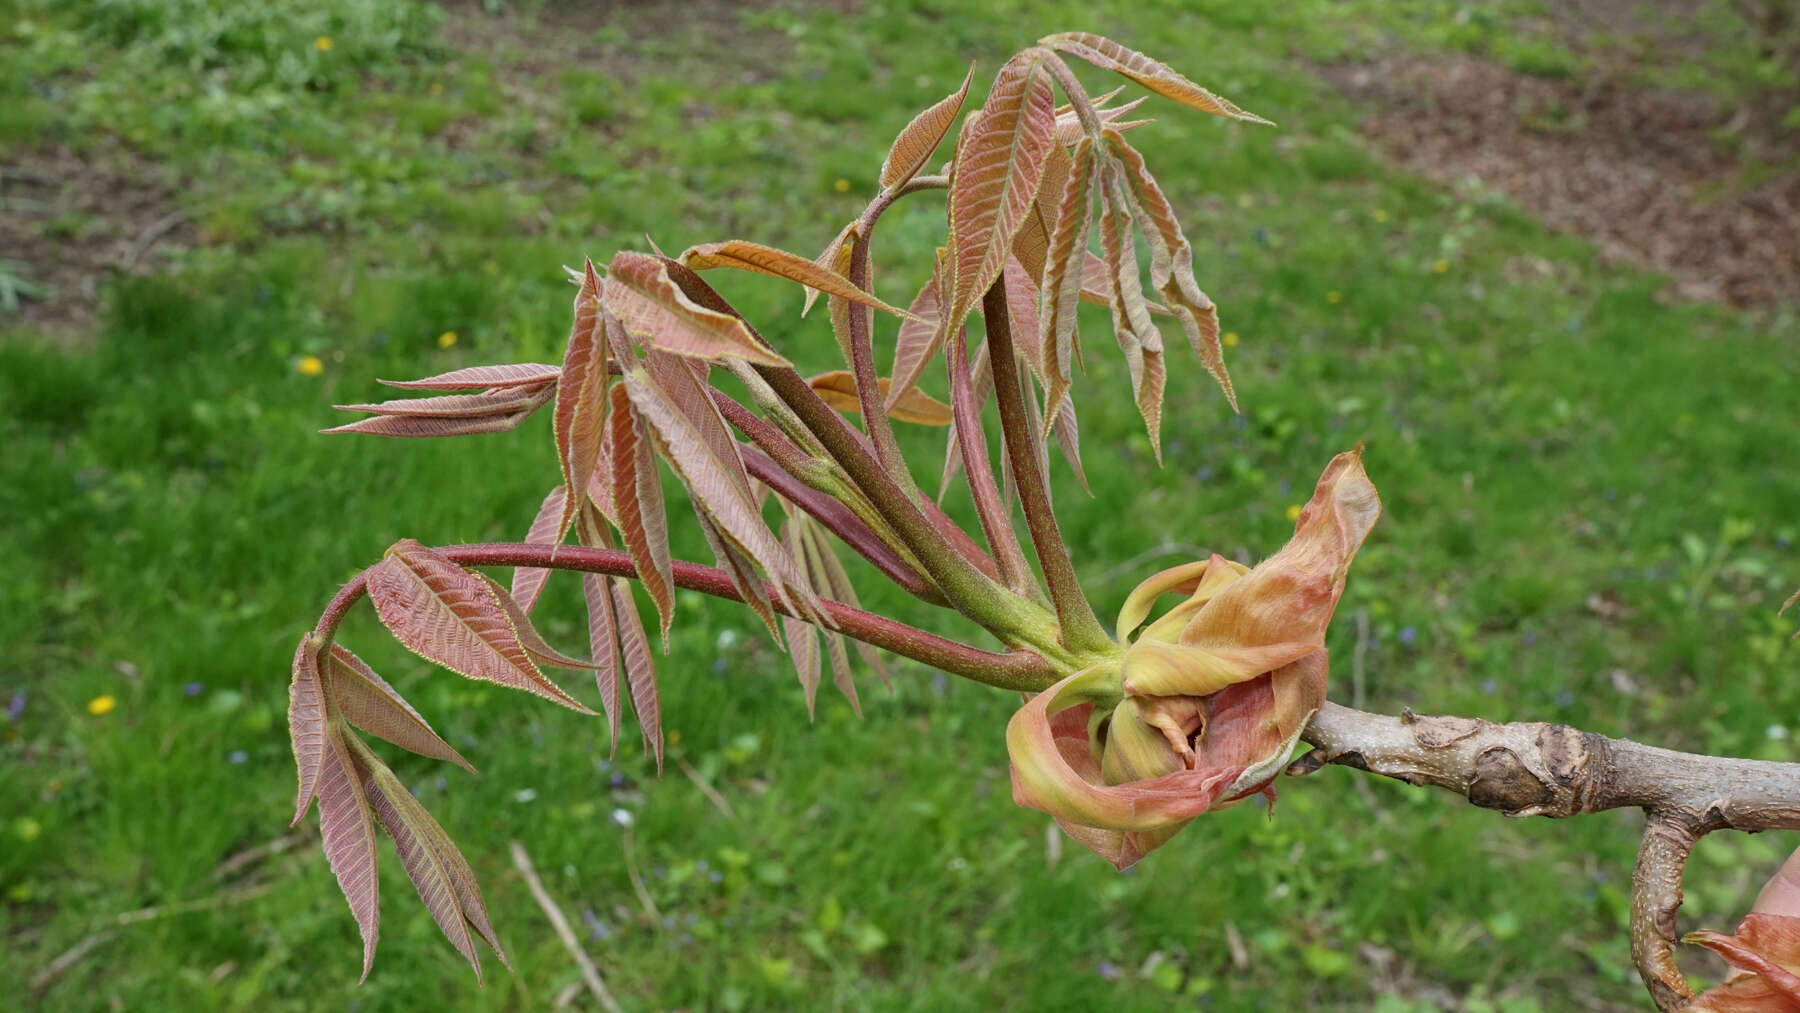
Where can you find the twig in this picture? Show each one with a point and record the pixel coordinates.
(1541, 769)
(589, 973)
(712, 794)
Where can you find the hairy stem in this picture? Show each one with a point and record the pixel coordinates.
(1015, 670)
(1082, 632)
(971, 591)
(996, 519)
(1541, 769)
(816, 487)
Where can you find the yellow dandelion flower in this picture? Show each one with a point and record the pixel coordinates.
(447, 339)
(674, 736)
(309, 365)
(841, 186)
(1379, 214)
(1293, 512)
(1230, 339)
(1334, 296)
(102, 705)
(323, 43)
(436, 89)
(1440, 266)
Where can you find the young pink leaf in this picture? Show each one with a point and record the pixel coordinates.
(406, 820)
(348, 835)
(838, 389)
(715, 486)
(1136, 333)
(1172, 262)
(306, 721)
(834, 258)
(497, 401)
(659, 314)
(1068, 439)
(581, 398)
(913, 147)
(917, 343)
(637, 507)
(1062, 281)
(830, 581)
(369, 703)
(803, 647)
(1109, 55)
(518, 374)
(603, 641)
(405, 426)
(681, 383)
(528, 581)
(998, 173)
(743, 575)
(533, 642)
(640, 671)
(841, 676)
(1022, 311)
(747, 256)
(450, 615)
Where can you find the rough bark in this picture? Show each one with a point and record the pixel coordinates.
(1540, 769)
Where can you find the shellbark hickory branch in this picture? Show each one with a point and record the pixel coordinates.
(1536, 768)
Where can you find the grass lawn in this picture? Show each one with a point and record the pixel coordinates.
(1591, 510)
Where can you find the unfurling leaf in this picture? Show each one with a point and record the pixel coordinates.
(640, 671)
(836, 259)
(1172, 262)
(717, 485)
(517, 374)
(1062, 281)
(307, 721)
(780, 264)
(348, 835)
(637, 506)
(445, 883)
(499, 401)
(999, 167)
(528, 581)
(920, 138)
(838, 389)
(581, 398)
(1136, 333)
(659, 314)
(449, 615)
(1109, 55)
(369, 703)
(533, 642)
(917, 343)
(1209, 701)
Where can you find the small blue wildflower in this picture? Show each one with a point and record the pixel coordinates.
(597, 929)
(715, 877)
(1408, 634)
(194, 688)
(1108, 970)
(237, 757)
(15, 708)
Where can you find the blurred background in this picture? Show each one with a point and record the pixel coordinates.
(1541, 258)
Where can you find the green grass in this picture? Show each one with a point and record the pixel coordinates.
(1544, 440)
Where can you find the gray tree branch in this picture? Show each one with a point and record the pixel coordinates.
(1539, 769)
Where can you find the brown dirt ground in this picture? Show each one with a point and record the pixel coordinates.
(76, 221)
(1635, 170)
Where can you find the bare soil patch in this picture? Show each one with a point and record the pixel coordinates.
(74, 220)
(1635, 170)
